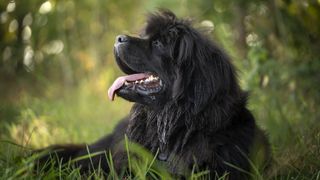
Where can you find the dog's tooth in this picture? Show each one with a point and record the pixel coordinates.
(126, 83)
(136, 82)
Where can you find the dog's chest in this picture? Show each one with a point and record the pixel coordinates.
(160, 139)
(160, 132)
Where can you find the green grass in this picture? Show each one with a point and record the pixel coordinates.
(141, 165)
(17, 163)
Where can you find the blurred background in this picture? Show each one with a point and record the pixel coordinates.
(56, 64)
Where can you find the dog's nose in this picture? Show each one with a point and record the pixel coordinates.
(122, 39)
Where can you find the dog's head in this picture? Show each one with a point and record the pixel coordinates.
(171, 61)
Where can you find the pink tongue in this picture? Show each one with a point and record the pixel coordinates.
(121, 80)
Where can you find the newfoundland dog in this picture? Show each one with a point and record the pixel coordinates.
(189, 108)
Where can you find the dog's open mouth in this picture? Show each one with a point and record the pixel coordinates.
(142, 83)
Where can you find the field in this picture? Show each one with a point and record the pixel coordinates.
(56, 64)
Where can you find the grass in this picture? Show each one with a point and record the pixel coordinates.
(16, 163)
(142, 165)
(84, 115)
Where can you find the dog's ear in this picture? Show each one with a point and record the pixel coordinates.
(204, 73)
(188, 85)
(182, 56)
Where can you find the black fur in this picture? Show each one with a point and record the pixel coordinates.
(199, 118)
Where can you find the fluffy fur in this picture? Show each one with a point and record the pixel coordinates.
(199, 118)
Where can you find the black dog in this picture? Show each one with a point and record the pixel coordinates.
(189, 105)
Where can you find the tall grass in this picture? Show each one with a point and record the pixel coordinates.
(16, 162)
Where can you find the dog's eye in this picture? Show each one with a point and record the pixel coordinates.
(157, 44)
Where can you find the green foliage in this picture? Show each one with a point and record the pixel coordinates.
(56, 63)
(141, 165)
